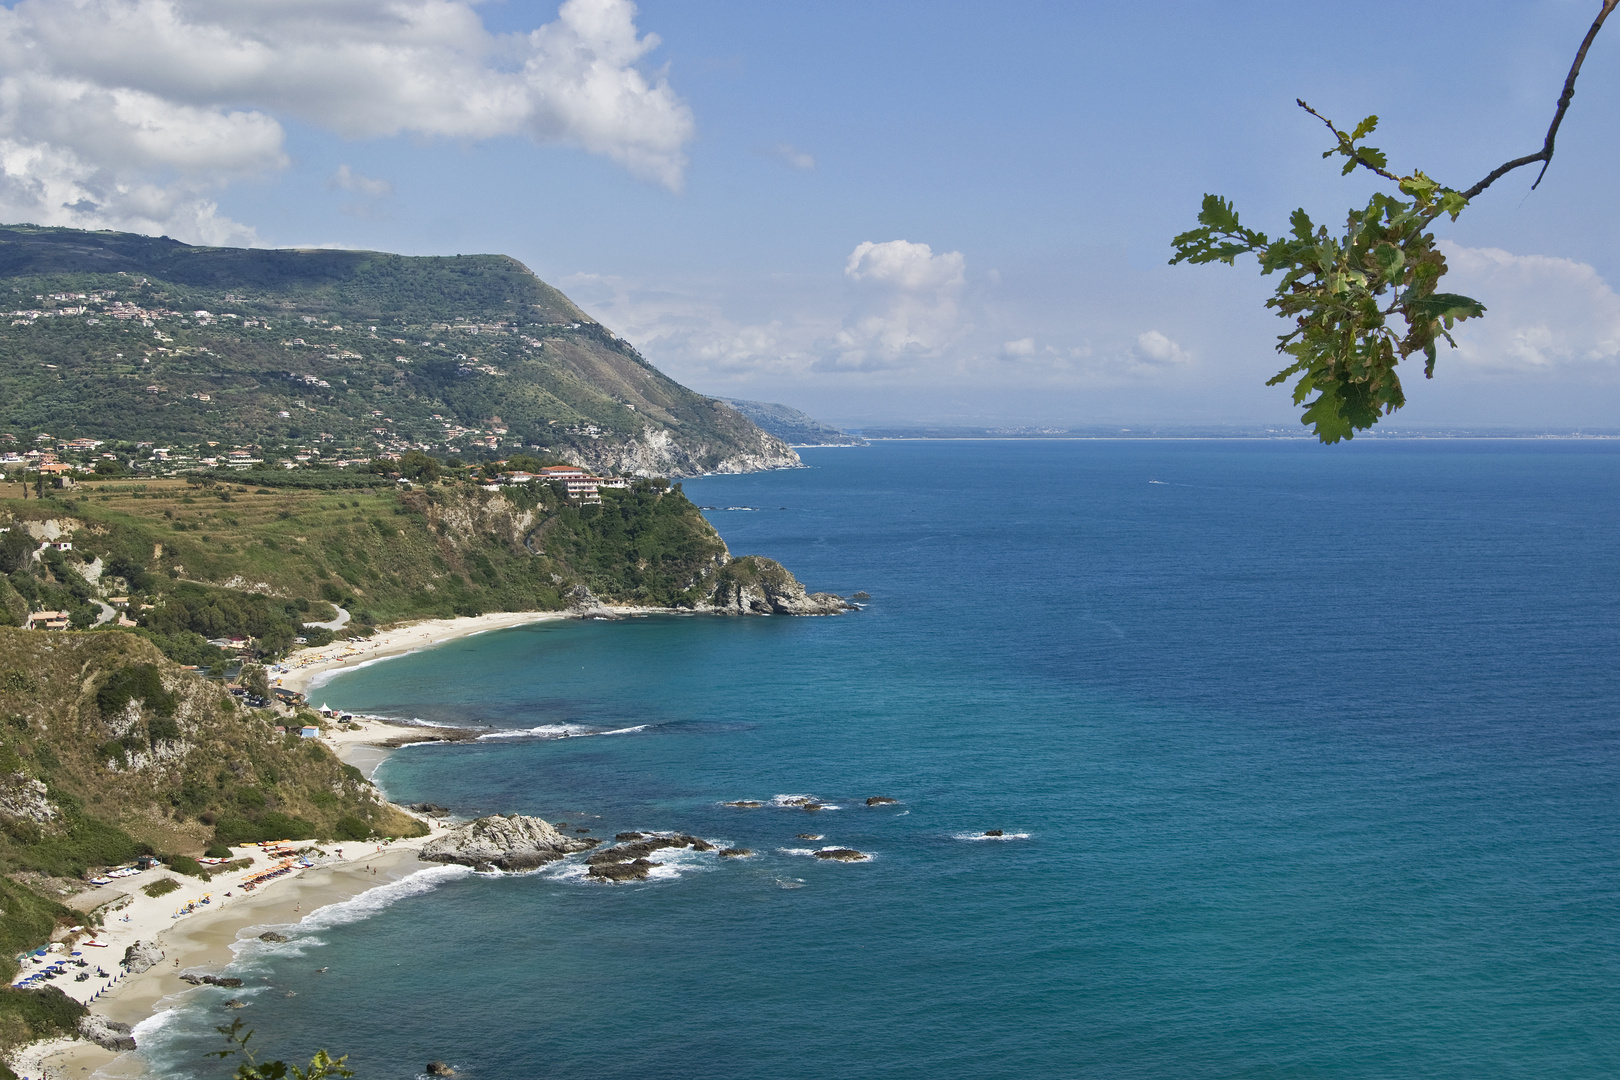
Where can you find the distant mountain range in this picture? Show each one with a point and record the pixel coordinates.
(792, 426)
(117, 336)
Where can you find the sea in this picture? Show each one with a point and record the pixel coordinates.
(1210, 759)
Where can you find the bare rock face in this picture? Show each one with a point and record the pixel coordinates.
(142, 955)
(755, 585)
(583, 604)
(503, 843)
(106, 1033)
(21, 796)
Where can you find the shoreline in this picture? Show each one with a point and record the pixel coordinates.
(201, 940)
(311, 668)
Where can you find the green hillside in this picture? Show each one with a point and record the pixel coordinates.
(330, 354)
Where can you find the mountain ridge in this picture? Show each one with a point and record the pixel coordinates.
(330, 351)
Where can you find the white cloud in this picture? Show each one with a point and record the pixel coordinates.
(1154, 348)
(1541, 312)
(129, 113)
(907, 310)
(1022, 347)
(792, 156)
(346, 179)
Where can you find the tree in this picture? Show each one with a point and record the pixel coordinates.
(1365, 300)
(321, 1065)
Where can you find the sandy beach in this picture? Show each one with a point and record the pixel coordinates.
(306, 665)
(200, 941)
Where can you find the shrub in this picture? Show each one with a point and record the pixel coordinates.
(185, 864)
(160, 887)
(217, 850)
(350, 827)
(27, 1015)
(135, 682)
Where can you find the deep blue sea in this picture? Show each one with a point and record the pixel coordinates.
(1308, 761)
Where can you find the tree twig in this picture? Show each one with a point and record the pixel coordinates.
(1544, 155)
(1344, 140)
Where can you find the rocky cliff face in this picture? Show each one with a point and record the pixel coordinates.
(503, 843)
(755, 585)
(661, 452)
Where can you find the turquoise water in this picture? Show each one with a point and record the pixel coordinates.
(1308, 760)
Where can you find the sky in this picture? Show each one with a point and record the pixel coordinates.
(881, 213)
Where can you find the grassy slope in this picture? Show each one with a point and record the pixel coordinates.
(390, 554)
(560, 374)
(222, 763)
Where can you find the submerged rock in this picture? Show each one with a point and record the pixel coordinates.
(842, 854)
(505, 843)
(808, 836)
(141, 956)
(627, 836)
(734, 852)
(439, 1068)
(235, 1004)
(880, 800)
(109, 1034)
(745, 803)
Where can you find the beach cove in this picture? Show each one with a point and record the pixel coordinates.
(1219, 854)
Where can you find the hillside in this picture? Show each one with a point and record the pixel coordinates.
(792, 426)
(108, 750)
(335, 354)
(210, 559)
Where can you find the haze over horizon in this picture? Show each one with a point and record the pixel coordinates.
(944, 213)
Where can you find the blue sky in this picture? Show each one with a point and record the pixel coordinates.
(940, 212)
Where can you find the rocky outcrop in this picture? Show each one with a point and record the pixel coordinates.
(272, 936)
(503, 843)
(755, 585)
(109, 1034)
(141, 955)
(735, 853)
(583, 604)
(227, 981)
(439, 1068)
(629, 862)
(842, 854)
(21, 796)
(880, 800)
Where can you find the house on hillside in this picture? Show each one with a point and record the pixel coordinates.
(46, 620)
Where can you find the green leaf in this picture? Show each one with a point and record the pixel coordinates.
(1365, 128)
(1448, 306)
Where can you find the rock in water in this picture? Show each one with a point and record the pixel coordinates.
(106, 1033)
(508, 843)
(880, 800)
(735, 853)
(272, 936)
(842, 854)
(623, 871)
(141, 956)
(994, 832)
(439, 1068)
(754, 585)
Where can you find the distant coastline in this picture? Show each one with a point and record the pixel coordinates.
(1216, 435)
